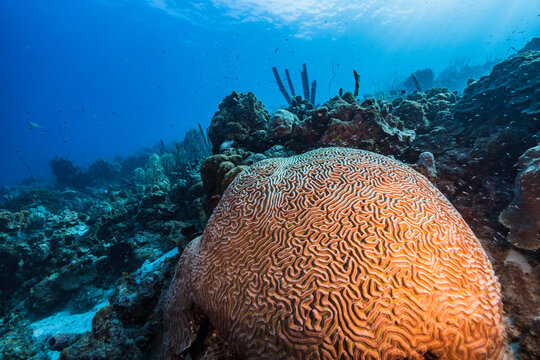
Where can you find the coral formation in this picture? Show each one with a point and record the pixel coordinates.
(420, 79)
(426, 165)
(67, 174)
(413, 116)
(365, 126)
(507, 93)
(337, 253)
(522, 216)
(128, 327)
(282, 123)
(242, 118)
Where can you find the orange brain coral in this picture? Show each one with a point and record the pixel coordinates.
(338, 254)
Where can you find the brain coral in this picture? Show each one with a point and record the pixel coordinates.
(337, 254)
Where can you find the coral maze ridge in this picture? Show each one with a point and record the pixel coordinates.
(339, 254)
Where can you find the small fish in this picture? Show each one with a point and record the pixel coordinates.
(33, 125)
(275, 51)
(17, 151)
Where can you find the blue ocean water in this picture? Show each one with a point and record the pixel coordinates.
(92, 79)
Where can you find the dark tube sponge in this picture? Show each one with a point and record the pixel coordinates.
(313, 91)
(59, 342)
(305, 82)
(290, 82)
(281, 86)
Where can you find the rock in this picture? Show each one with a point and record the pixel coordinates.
(231, 175)
(108, 340)
(102, 171)
(81, 271)
(68, 175)
(46, 295)
(311, 128)
(413, 116)
(252, 159)
(9, 266)
(533, 44)
(282, 123)
(519, 260)
(134, 301)
(41, 252)
(12, 223)
(364, 127)
(522, 215)
(242, 118)
(18, 344)
(129, 328)
(37, 218)
(426, 165)
(300, 107)
(509, 93)
(278, 151)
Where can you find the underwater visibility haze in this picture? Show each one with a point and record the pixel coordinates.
(334, 179)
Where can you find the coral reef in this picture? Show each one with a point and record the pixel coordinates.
(55, 258)
(361, 126)
(420, 79)
(477, 139)
(522, 216)
(242, 119)
(317, 286)
(282, 123)
(507, 93)
(129, 326)
(413, 116)
(101, 231)
(533, 44)
(67, 174)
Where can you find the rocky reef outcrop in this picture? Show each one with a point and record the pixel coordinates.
(241, 120)
(522, 215)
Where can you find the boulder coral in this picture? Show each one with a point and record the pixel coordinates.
(522, 214)
(282, 123)
(241, 118)
(337, 254)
